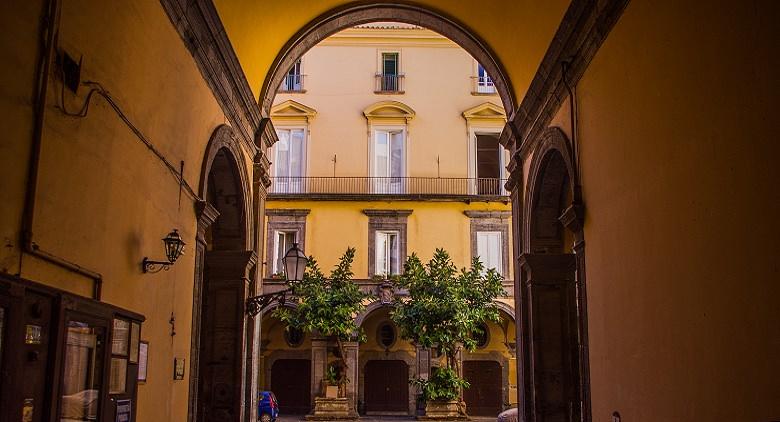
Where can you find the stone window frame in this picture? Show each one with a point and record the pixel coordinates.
(283, 219)
(491, 221)
(386, 220)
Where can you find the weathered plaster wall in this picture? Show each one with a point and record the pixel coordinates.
(104, 199)
(679, 166)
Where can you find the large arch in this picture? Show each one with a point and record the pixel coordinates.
(222, 352)
(350, 15)
(553, 327)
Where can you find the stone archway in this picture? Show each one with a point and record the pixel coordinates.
(551, 311)
(220, 381)
(361, 13)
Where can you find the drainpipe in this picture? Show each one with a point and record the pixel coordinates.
(573, 124)
(28, 216)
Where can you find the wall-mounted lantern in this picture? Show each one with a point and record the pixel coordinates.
(294, 263)
(174, 248)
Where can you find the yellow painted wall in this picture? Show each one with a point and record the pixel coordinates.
(679, 165)
(333, 226)
(258, 31)
(104, 200)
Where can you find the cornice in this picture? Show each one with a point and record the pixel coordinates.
(201, 30)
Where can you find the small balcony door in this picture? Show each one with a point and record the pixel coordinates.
(289, 161)
(388, 167)
(490, 166)
(390, 72)
(484, 82)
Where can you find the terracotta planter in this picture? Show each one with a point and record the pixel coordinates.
(331, 391)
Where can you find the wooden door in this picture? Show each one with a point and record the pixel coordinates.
(386, 386)
(485, 395)
(291, 383)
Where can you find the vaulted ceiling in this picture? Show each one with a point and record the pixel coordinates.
(517, 31)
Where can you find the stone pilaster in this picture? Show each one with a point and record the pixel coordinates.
(351, 352)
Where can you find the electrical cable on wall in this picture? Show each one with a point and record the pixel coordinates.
(97, 88)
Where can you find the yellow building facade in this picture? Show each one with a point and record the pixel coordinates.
(388, 142)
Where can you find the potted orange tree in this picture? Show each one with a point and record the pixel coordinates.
(443, 310)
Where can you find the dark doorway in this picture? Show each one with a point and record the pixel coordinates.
(291, 383)
(484, 397)
(488, 164)
(226, 263)
(386, 386)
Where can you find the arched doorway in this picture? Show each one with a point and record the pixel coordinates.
(224, 261)
(552, 280)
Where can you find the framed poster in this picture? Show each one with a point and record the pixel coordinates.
(178, 368)
(135, 335)
(124, 410)
(143, 360)
(121, 337)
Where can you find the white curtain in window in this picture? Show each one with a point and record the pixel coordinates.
(388, 161)
(489, 250)
(284, 241)
(289, 163)
(387, 253)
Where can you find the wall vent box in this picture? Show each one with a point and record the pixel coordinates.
(71, 71)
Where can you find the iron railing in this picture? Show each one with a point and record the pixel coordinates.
(389, 83)
(482, 85)
(292, 83)
(419, 186)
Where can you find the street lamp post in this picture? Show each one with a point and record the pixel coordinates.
(294, 264)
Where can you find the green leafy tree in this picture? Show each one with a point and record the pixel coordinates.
(327, 306)
(444, 309)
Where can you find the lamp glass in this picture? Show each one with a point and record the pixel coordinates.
(294, 263)
(174, 246)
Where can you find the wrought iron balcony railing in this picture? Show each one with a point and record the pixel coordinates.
(292, 83)
(392, 186)
(389, 84)
(482, 85)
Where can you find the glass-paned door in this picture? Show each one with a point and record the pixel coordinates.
(293, 81)
(390, 72)
(489, 165)
(484, 82)
(489, 250)
(289, 162)
(387, 253)
(82, 381)
(388, 162)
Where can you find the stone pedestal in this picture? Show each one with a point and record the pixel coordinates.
(454, 410)
(328, 409)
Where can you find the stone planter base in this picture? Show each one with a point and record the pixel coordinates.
(444, 411)
(331, 409)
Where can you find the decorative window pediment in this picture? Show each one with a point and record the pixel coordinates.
(290, 110)
(485, 112)
(389, 112)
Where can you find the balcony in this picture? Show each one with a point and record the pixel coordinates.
(398, 188)
(482, 85)
(292, 83)
(389, 84)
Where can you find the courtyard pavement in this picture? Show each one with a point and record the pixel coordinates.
(297, 418)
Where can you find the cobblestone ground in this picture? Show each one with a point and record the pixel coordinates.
(297, 418)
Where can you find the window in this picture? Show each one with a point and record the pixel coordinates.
(489, 250)
(481, 335)
(83, 371)
(293, 80)
(293, 336)
(489, 165)
(389, 76)
(387, 253)
(388, 161)
(284, 241)
(484, 82)
(289, 160)
(386, 335)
